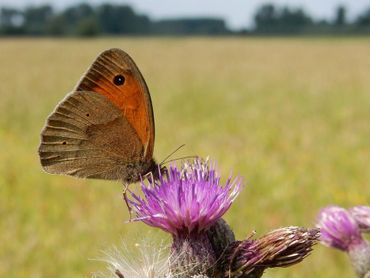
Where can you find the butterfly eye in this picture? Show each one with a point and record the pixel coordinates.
(119, 80)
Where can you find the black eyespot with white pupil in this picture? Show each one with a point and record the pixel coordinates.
(119, 80)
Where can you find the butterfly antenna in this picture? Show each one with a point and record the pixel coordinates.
(168, 156)
(183, 157)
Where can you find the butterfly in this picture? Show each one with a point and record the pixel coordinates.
(104, 128)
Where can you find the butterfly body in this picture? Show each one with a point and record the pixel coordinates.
(105, 128)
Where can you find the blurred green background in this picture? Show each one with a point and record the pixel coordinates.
(289, 115)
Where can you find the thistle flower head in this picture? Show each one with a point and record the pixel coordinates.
(287, 246)
(362, 216)
(338, 228)
(279, 248)
(186, 200)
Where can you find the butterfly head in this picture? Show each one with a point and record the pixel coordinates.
(157, 170)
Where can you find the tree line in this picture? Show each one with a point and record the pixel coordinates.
(271, 19)
(115, 19)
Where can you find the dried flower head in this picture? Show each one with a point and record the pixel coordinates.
(338, 228)
(279, 248)
(186, 200)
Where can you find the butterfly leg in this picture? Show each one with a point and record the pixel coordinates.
(125, 198)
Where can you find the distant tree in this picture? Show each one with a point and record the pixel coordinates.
(340, 16)
(76, 18)
(9, 16)
(11, 21)
(265, 17)
(36, 19)
(281, 20)
(120, 19)
(292, 20)
(88, 27)
(76, 13)
(363, 20)
(58, 26)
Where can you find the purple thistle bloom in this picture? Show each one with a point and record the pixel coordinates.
(187, 200)
(362, 216)
(338, 228)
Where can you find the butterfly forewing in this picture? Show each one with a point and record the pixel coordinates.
(130, 95)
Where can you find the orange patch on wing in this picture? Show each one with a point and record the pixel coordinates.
(130, 100)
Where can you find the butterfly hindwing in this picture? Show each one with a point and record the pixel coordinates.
(87, 136)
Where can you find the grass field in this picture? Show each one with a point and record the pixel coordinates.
(290, 115)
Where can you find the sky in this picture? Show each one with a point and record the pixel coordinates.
(237, 13)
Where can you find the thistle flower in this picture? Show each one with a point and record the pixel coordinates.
(186, 202)
(339, 229)
(280, 248)
(189, 203)
(362, 216)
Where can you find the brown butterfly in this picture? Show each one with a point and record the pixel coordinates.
(104, 129)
